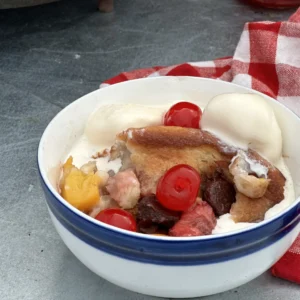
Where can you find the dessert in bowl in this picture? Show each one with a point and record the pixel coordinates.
(114, 157)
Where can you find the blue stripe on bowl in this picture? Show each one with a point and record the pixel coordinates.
(172, 252)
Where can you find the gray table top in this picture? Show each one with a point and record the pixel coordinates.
(52, 55)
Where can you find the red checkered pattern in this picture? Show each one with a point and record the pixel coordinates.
(267, 59)
(288, 266)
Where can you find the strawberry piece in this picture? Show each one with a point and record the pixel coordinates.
(198, 220)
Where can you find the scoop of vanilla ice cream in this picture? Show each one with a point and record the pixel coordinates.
(109, 120)
(244, 121)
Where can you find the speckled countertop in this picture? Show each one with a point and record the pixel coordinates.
(52, 55)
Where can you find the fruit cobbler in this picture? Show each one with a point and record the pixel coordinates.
(185, 172)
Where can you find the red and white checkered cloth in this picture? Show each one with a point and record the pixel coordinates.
(267, 59)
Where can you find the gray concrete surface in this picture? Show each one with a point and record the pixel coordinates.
(50, 56)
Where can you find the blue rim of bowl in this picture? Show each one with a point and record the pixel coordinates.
(167, 250)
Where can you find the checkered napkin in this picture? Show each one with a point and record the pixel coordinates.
(267, 59)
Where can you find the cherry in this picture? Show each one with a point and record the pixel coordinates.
(117, 217)
(183, 114)
(178, 188)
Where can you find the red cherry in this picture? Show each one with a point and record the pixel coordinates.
(178, 188)
(183, 114)
(117, 217)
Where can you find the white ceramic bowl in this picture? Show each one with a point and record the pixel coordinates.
(160, 266)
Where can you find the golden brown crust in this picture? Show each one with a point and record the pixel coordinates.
(249, 210)
(172, 136)
(275, 190)
(246, 209)
(155, 149)
(253, 210)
